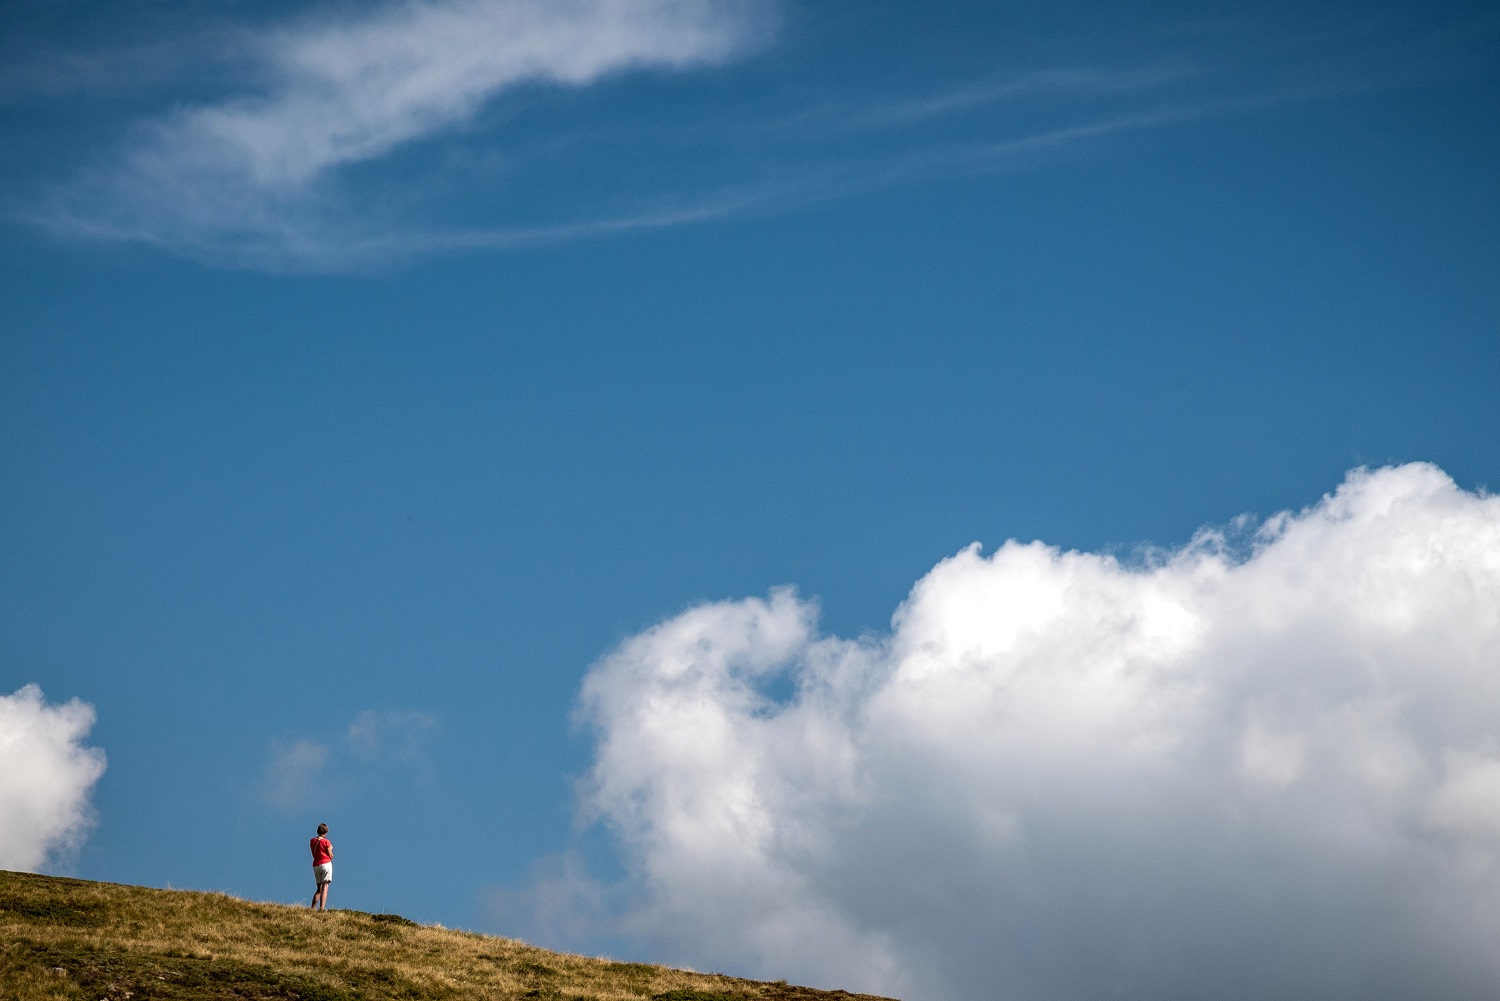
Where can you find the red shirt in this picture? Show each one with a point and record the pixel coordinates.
(322, 850)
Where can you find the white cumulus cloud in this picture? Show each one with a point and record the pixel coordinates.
(46, 774)
(1227, 771)
(246, 174)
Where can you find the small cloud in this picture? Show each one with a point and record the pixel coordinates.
(561, 904)
(46, 775)
(291, 776)
(391, 736)
(301, 771)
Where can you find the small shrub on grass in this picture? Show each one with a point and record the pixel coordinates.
(535, 969)
(635, 969)
(394, 919)
(54, 912)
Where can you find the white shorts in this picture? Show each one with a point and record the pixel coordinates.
(323, 873)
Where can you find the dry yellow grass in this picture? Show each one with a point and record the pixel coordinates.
(71, 940)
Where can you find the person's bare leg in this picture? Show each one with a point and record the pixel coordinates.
(325, 894)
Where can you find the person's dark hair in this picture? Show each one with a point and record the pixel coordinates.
(322, 829)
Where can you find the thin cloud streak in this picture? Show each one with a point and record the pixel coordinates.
(814, 185)
(724, 205)
(832, 182)
(1062, 82)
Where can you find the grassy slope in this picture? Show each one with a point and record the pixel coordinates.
(81, 941)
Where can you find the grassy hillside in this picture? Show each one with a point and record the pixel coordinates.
(80, 941)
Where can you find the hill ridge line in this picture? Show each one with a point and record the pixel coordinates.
(69, 939)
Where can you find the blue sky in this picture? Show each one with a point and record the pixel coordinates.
(365, 379)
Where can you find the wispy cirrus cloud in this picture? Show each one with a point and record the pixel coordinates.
(251, 174)
(340, 141)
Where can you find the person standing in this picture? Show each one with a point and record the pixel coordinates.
(322, 853)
